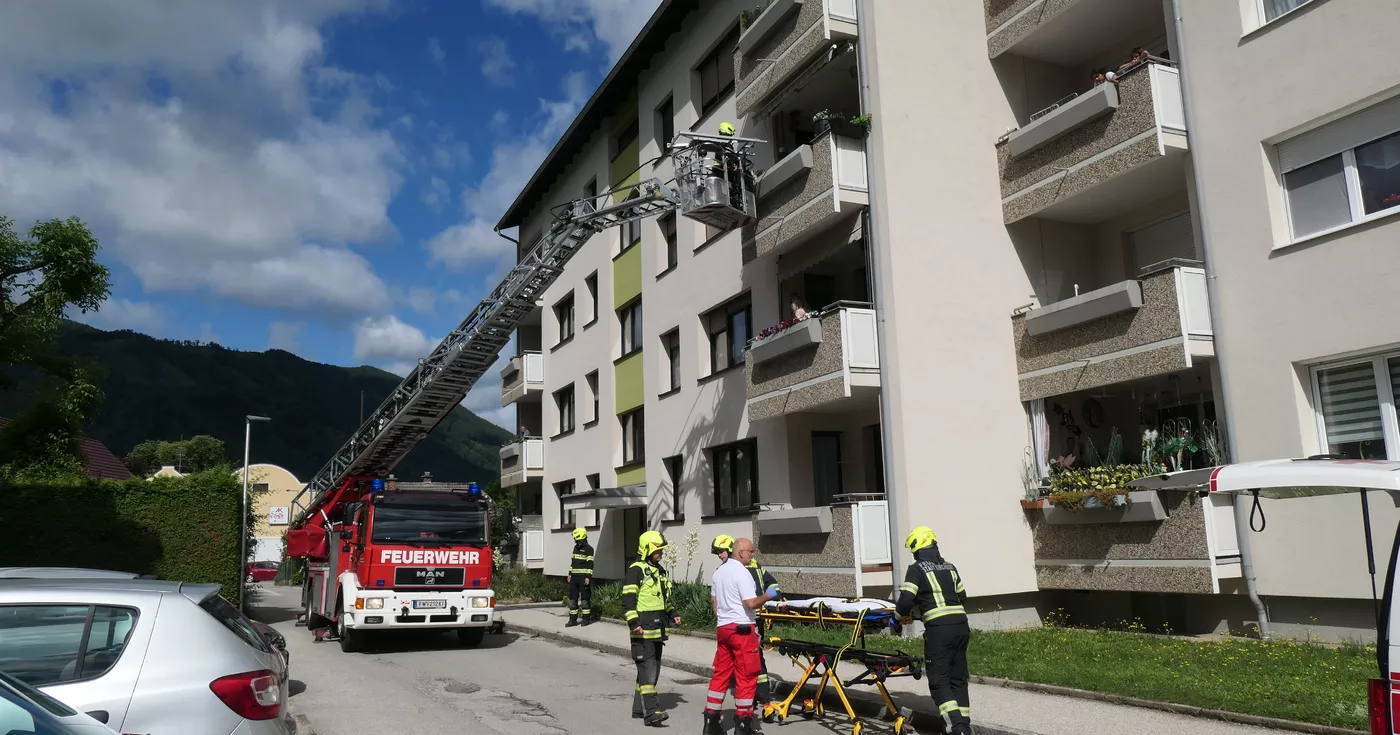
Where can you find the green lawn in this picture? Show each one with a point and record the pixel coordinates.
(1292, 681)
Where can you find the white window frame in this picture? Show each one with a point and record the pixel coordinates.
(1353, 179)
(1264, 18)
(1390, 424)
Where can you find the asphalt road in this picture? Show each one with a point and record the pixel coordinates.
(511, 685)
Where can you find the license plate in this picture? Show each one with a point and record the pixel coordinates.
(429, 604)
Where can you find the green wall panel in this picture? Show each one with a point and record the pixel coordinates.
(627, 277)
(631, 391)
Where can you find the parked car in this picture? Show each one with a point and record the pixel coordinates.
(155, 657)
(24, 709)
(275, 639)
(262, 571)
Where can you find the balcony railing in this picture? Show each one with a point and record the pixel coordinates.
(807, 191)
(837, 550)
(1057, 165)
(1126, 331)
(522, 377)
(782, 41)
(522, 460)
(830, 357)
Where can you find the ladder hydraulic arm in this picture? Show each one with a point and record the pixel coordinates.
(441, 380)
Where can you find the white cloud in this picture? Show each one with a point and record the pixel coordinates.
(496, 65)
(206, 332)
(284, 336)
(138, 316)
(436, 193)
(435, 51)
(385, 340)
(613, 22)
(206, 143)
(421, 299)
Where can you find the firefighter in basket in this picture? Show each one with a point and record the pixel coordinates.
(580, 580)
(723, 547)
(933, 587)
(647, 607)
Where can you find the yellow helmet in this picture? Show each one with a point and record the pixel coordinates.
(726, 129)
(649, 543)
(580, 534)
(920, 538)
(722, 542)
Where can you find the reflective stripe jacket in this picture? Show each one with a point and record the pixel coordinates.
(933, 586)
(581, 563)
(761, 577)
(646, 600)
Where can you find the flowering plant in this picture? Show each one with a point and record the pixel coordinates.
(779, 327)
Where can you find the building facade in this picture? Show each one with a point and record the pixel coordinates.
(270, 492)
(1114, 229)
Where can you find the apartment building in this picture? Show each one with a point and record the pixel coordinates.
(1027, 189)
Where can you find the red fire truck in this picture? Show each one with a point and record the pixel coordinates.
(384, 555)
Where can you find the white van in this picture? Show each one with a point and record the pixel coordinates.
(1310, 477)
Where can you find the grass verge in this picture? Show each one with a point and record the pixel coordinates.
(1282, 679)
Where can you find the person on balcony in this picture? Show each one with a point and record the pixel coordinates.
(933, 587)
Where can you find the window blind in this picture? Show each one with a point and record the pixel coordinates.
(1172, 238)
(1351, 410)
(1353, 130)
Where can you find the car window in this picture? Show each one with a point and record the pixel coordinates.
(54, 707)
(229, 616)
(55, 644)
(19, 716)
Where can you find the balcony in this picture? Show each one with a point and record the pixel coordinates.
(1165, 543)
(1098, 154)
(1129, 330)
(829, 359)
(785, 40)
(1064, 32)
(841, 550)
(522, 460)
(532, 541)
(807, 191)
(522, 379)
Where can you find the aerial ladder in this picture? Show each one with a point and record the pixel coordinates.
(714, 183)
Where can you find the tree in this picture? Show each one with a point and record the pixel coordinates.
(196, 454)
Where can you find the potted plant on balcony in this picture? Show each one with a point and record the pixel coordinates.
(837, 124)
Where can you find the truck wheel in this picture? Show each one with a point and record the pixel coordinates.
(351, 640)
(470, 637)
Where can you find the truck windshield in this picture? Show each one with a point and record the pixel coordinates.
(434, 524)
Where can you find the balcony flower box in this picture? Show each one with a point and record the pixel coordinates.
(785, 337)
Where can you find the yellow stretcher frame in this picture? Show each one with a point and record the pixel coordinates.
(823, 660)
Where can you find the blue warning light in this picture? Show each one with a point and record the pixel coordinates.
(474, 488)
(376, 485)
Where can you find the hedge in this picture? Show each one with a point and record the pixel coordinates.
(183, 529)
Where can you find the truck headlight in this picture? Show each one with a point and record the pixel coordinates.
(480, 601)
(374, 603)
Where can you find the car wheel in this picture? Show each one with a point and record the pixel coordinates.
(250, 579)
(350, 639)
(470, 637)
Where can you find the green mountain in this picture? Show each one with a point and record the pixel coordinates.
(163, 389)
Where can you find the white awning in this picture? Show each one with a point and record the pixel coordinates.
(627, 496)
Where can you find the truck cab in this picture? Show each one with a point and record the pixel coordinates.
(399, 559)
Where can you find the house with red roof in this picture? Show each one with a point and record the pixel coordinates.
(101, 464)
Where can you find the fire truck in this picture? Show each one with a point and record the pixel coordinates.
(384, 555)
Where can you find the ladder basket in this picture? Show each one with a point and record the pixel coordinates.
(714, 177)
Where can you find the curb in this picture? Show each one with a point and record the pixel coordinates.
(1179, 709)
(867, 704)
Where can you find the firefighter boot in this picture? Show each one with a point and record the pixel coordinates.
(656, 718)
(573, 620)
(712, 724)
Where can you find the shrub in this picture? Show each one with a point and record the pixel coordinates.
(526, 585)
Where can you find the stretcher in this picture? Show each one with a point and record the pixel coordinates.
(821, 660)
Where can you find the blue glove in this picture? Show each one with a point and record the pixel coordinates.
(772, 592)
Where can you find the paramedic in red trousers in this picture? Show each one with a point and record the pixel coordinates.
(735, 598)
(933, 587)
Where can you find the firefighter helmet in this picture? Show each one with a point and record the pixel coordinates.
(580, 534)
(649, 543)
(726, 128)
(920, 538)
(723, 542)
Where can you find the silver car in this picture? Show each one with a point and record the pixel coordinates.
(144, 656)
(24, 709)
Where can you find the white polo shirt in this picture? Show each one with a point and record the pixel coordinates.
(730, 585)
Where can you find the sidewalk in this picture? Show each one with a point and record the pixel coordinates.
(995, 710)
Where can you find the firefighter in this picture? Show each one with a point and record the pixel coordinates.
(723, 547)
(647, 608)
(580, 580)
(932, 585)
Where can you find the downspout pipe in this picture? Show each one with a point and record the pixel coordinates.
(877, 268)
(1242, 529)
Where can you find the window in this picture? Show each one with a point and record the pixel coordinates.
(1271, 9)
(631, 232)
(729, 328)
(591, 282)
(530, 503)
(564, 312)
(711, 233)
(564, 399)
(566, 517)
(1345, 172)
(1355, 406)
(261, 487)
(736, 477)
(671, 342)
(48, 644)
(633, 437)
(590, 197)
(665, 125)
(627, 137)
(592, 380)
(675, 466)
(229, 616)
(717, 72)
(630, 317)
(667, 222)
(595, 483)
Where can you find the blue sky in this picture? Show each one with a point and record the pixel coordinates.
(320, 176)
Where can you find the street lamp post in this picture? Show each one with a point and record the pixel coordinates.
(243, 524)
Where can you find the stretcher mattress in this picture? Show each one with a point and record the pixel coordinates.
(871, 612)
